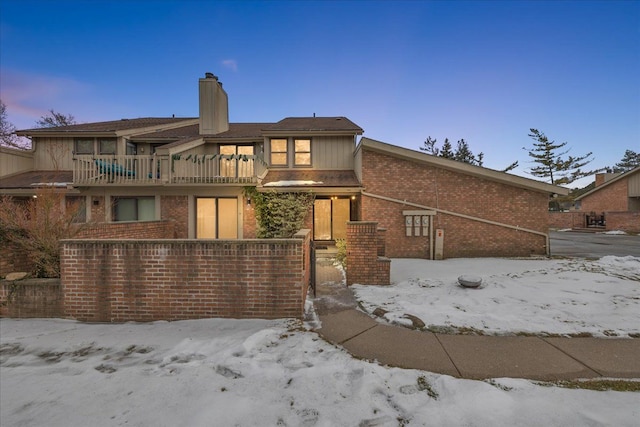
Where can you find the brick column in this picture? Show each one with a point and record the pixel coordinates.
(364, 266)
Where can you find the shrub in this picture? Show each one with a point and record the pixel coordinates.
(279, 215)
(37, 225)
(341, 255)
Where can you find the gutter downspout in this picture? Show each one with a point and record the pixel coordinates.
(472, 218)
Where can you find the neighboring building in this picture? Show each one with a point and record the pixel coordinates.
(613, 192)
(614, 202)
(194, 170)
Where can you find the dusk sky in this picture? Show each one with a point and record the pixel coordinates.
(485, 71)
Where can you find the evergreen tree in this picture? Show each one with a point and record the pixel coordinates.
(463, 153)
(551, 165)
(629, 161)
(430, 146)
(447, 150)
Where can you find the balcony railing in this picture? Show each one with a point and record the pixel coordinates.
(155, 169)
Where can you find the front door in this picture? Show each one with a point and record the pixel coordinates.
(330, 218)
(216, 218)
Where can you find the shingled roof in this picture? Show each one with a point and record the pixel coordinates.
(315, 124)
(110, 126)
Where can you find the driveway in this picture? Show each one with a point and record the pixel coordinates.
(593, 245)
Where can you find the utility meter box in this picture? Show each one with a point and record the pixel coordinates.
(439, 250)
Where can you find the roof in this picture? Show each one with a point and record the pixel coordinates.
(622, 176)
(461, 167)
(34, 179)
(110, 126)
(314, 124)
(308, 178)
(242, 130)
(172, 134)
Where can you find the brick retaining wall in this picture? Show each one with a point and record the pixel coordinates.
(567, 220)
(145, 280)
(128, 230)
(31, 298)
(625, 221)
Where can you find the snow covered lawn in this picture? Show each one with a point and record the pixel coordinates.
(567, 297)
(220, 372)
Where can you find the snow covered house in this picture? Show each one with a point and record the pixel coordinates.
(192, 172)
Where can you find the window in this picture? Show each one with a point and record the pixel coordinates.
(236, 168)
(278, 152)
(302, 152)
(83, 146)
(107, 145)
(134, 209)
(216, 218)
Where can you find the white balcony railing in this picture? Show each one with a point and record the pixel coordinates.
(154, 169)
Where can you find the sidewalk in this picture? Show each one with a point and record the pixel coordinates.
(466, 356)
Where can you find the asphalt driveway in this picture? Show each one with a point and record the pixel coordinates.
(593, 245)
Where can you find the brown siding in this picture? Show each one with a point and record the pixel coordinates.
(452, 191)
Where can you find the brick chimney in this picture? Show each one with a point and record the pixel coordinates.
(601, 178)
(214, 106)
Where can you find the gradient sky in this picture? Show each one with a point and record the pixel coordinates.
(485, 71)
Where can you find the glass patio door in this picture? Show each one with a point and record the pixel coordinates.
(216, 218)
(330, 218)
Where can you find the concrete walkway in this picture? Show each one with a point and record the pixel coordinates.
(465, 356)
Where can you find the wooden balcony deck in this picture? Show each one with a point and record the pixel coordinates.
(89, 170)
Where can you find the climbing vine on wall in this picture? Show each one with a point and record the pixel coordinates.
(279, 215)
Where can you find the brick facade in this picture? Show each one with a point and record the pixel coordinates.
(625, 221)
(438, 188)
(128, 230)
(127, 280)
(176, 209)
(365, 264)
(567, 220)
(614, 197)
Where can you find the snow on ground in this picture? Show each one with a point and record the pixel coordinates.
(568, 296)
(221, 372)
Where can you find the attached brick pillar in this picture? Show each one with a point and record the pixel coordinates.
(364, 265)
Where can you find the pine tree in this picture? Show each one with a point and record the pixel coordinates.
(463, 153)
(430, 146)
(447, 150)
(629, 161)
(550, 163)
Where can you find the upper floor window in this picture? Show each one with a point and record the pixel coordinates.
(278, 152)
(107, 145)
(302, 152)
(83, 146)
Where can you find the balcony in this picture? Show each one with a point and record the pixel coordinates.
(89, 170)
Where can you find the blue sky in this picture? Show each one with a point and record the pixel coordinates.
(485, 71)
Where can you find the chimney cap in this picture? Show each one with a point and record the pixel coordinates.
(208, 75)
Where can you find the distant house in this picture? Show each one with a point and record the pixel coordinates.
(614, 202)
(193, 171)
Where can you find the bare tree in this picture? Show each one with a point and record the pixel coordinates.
(8, 136)
(54, 119)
